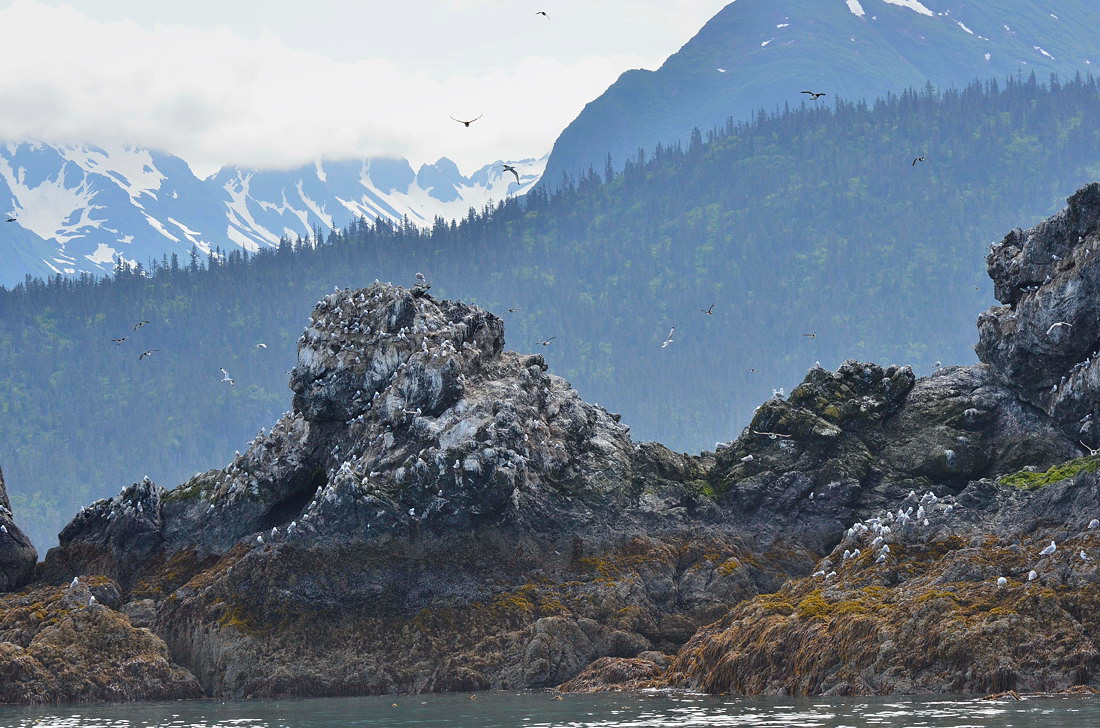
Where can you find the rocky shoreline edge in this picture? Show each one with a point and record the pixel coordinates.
(436, 513)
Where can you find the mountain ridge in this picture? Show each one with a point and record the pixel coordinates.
(85, 209)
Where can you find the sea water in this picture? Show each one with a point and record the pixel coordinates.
(543, 710)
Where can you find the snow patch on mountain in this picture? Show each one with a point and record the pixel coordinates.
(84, 208)
(912, 5)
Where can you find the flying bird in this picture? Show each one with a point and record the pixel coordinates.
(709, 311)
(139, 324)
(150, 352)
(514, 309)
(11, 218)
(226, 378)
(510, 168)
(261, 346)
(467, 123)
(542, 13)
(814, 95)
(915, 160)
(1056, 325)
(120, 340)
(547, 342)
(810, 336)
(668, 340)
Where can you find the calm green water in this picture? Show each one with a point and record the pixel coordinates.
(531, 710)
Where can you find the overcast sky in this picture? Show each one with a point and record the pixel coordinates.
(274, 83)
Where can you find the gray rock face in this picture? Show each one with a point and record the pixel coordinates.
(846, 443)
(17, 554)
(1043, 342)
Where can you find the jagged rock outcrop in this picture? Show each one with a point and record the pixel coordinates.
(1045, 339)
(435, 513)
(17, 554)
(945, 588)
(846, 443)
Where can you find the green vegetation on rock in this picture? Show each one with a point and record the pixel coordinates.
(1027, 480)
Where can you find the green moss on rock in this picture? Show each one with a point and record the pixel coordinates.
(1026, 480)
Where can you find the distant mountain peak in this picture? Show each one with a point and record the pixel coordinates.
(84, 208)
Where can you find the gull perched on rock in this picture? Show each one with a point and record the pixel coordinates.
(1001, 582)
(1049, 549)
(1032, 575)
(1094, 523)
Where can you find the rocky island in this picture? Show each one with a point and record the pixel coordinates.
(436, 513)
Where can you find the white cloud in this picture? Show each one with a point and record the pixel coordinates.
(245, 95)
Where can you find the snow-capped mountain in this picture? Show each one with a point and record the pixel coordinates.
(82, 208)
(264, 205)
(760, 54)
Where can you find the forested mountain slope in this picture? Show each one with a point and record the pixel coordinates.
(760, 54)
(815, 221)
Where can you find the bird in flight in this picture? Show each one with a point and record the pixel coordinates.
(547, 342)
(810, 336)
(668, 339)
(1057, 324)
(467, 123)
(139, 324)
(917, 159)
(510, 168)
(150, 352)
(261, 346)
(513, 310)
(708, 311)
(543, 14)
(11, 218)
(770, 435)
(814, 95)
(120, 340)
(227, 379)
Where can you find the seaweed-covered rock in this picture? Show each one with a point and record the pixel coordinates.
(617, 673)
(920, 607)
(58, 644)
(17, 554)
